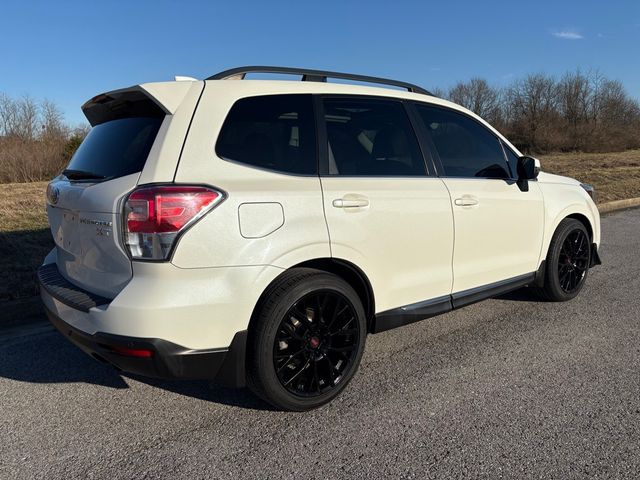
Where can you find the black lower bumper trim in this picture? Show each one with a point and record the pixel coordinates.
(51, 280)
(167, 360)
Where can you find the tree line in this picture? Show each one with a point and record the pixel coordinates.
(35, 141)
(580, 111)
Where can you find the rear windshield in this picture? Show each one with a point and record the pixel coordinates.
(114, 149)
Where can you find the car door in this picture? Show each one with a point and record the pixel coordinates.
(498, 224)
(384, 212)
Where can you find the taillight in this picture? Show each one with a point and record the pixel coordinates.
(154, 217)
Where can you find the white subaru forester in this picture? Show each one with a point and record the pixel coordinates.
(253, 232)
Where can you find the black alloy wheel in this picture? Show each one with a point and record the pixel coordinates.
(567, 263)
(573, 261)
(306, 339)
(316, 343)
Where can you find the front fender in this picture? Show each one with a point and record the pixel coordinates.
(562, 201)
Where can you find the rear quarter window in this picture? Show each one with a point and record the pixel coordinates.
(272, 132)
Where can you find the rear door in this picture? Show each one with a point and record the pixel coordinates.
(498, 226)
(384, 212)
(85, 201)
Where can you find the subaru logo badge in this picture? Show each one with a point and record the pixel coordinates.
(53, 194)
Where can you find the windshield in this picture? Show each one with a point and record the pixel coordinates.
(114, 149)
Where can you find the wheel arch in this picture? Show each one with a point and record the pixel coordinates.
(576, 211)
(582, 219)
(344, 269)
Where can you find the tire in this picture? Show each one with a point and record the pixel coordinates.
(567, 263)
(306, 341)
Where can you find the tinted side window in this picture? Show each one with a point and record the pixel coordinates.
(466, 148)
(275, 132)
(371, 138)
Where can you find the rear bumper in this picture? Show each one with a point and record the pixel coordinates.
(199, 337)
(198, 308)
(165, 359)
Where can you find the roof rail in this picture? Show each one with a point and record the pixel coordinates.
(309, 75)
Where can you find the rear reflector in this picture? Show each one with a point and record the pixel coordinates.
(133, 352)
(154, 216)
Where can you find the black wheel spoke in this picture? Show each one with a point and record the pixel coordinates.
(321, 305)
(582, 241)
(337, 313)
(316, 378)
(288, 361)
(298, 373)
(332, 374)
(346, 348)
(348, 331)
(284, 354)
(291, 330)
(564, 275)
(301, 316)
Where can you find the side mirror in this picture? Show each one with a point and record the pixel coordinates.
(528, 168)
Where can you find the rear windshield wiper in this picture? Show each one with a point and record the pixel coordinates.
(72, 174)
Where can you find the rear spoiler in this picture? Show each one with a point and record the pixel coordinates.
(145, 100)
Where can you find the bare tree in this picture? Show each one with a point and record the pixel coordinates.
(582, 111)
(575, 95)
(18, 118)
(618, 118)
(479, 97)
(52, 121)
(439, 92)
(26, 126)
(35, 142)
(7, 114)
(532, 106)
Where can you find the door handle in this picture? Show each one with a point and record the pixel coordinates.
(350, 202)
(466, 201)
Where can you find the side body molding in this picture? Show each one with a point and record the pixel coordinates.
(415, 312)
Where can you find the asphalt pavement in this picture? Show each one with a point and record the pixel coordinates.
(507, 388)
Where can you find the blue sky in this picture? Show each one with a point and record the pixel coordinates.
(69, 51)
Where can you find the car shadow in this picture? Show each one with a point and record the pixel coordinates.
(521, 295)
(203, 390)
(49, 358)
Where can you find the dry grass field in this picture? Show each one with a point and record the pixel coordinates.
(615, 175)
(24, 241)
(25, 237)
